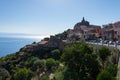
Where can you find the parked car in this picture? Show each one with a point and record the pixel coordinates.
(106, 41)
(112, 42)
(118, 42)
(101, 41)
(93, 41)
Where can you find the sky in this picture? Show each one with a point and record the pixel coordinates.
(48, 17)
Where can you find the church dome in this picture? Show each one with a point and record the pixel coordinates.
(82, 23)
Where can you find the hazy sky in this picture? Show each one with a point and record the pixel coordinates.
(54, 16)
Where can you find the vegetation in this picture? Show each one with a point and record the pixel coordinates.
(4, 74)
(77, 61)
(51, 63)
(103, 54)
(22, 74)
(56, 54)
(104, 75)
(112, 69)
(81, 63)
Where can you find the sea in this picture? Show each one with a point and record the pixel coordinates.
(9, 45)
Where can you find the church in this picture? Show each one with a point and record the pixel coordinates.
(84, 31)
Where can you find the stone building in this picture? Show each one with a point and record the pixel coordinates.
(111, 31)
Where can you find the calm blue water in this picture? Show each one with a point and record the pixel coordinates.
(12, 45)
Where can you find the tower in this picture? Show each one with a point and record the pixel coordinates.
(83, 20)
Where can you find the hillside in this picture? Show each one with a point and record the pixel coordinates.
(61, 57)
(40, 61)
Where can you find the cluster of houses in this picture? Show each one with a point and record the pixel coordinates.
(85, 31)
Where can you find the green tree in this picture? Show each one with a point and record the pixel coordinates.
(104, 75)
(56, 54)
(81, 63)
(4, 74)
(40, 63)
(112, 69)
(103, 54)
(23, 74)
(44, 77)
(50, 62)
(30, 61)
(1, 61)
(59, 73)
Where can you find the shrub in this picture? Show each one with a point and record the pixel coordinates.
(30, 61)
(103, 54)
(51, 63)
(56, 54)
(45, 77)
(4, 74)
(112, 69)
(23, 74)
(104, 75)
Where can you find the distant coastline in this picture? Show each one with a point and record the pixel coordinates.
(11, 43)
(22, 35)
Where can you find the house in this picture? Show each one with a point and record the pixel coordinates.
(111, 31)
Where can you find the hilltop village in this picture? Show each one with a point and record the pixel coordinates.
(84, 31)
